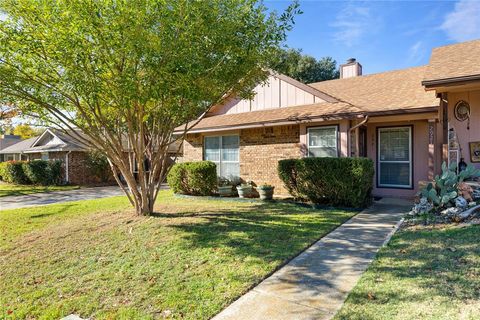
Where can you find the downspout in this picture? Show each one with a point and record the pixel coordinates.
(357, 138)
(66, 167)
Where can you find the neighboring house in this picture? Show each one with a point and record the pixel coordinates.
(54, 145)
(7, 140)
(403, 120)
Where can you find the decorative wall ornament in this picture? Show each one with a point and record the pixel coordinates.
(462, 111)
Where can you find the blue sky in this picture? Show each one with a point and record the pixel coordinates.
(381, 35)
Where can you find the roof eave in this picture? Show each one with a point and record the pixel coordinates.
(453, 80)
(328, 117)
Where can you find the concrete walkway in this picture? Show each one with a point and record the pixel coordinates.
(40, 199)
(315, 284)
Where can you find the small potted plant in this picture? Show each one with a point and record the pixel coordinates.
(224, 187)
(265, 191)
(245, 190)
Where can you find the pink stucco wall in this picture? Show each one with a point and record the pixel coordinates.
(420, 156)
(420, 147)
(465, 135)
(343, 126)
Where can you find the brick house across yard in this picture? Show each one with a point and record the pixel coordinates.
(407, 121)
(6, 140)
(54, 145)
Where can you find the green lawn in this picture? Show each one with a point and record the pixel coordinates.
(96, 259)
(7, 189)
(423, 273)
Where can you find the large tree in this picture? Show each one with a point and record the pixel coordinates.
(26, 131)
(127, 72)
(305, 68)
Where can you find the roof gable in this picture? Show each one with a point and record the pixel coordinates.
(454, 63)
(48, 138)
(279, 91)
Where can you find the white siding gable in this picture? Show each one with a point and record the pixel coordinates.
(275, 93)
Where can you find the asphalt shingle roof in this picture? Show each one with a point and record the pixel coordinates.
(454, 61)
(19, 146)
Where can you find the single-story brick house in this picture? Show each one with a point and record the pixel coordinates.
(6, 140)
(54, 145)
(407, 121)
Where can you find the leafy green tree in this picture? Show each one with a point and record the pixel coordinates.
(25, 131)
(128, 72)
(305, 68)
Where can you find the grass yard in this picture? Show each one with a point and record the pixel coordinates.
(7, 189)
(423, 273)
(96, 259)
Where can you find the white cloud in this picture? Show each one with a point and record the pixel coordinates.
(352, 23)
(417, 52)
(463, 23)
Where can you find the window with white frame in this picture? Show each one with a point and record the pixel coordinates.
(224, 152)
(323, 141)
(395, 157)
(9, 157)
(45, 156)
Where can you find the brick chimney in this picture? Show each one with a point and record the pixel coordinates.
(350, 69)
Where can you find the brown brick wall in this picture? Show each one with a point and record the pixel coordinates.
(260, 150)
(77, 170)
(193, 147)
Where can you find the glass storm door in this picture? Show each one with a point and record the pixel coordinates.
(395, 157)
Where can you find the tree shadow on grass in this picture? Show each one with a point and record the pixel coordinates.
(421, 266)
(273, 233)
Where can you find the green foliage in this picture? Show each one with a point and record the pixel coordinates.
(305, 68)
(37, 172)
(135, 69)
(330, 181)
(25, 131)
(42, 172)
(12, 172)
(3, 167)
(97, 164)
(194, 178)
(445, 189)
(55, 172)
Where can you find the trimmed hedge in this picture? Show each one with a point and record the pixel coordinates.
(55, 168)
(37, 172)
(193, 178)
(31, 172)
(12, 172)
(344, 182)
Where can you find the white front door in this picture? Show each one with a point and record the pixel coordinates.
(394, 162)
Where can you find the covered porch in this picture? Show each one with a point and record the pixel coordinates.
(404, 146)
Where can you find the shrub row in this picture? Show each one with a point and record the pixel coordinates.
(329, 181)
(31, 172)
(193, 178)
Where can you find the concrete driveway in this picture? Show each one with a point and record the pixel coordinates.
(40, 199)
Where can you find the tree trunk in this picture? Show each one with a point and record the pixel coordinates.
(145, 206)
